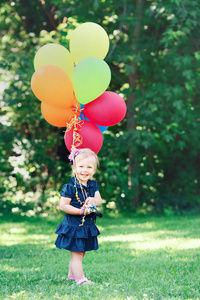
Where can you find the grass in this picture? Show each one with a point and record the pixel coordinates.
(139, 258)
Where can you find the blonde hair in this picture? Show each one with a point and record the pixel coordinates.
(79, 154)
(85, 153)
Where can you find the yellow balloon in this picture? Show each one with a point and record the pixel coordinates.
(88, 39)
(55, 55)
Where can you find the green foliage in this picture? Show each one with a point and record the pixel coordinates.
(155, 62)
(166, 107)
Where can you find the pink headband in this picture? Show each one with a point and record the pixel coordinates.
(76, 152)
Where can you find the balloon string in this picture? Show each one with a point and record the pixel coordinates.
(76, 125)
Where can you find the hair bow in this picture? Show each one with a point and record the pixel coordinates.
(72, 156)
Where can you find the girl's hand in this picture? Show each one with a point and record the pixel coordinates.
(90, 200)
(82, 211)
(96, 199)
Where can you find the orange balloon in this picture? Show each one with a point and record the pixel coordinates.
(52, 85)
(57, 116)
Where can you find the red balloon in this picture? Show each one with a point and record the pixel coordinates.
(107, 110)
(91, 136)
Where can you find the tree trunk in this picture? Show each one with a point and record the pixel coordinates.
(131, 126)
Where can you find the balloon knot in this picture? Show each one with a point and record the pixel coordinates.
(76, 125)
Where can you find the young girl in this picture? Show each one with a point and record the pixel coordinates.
(77, 232)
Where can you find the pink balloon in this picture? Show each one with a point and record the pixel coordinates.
(91, 136)
(107, 110)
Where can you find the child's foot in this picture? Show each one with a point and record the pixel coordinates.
(70, 277)
(83, 280)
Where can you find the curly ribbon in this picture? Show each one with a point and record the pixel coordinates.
(76, 125)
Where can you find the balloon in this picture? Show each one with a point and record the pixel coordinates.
(88, 39)
(102, 128)
(90, 78)
(56, 55)
(52, 85)
(91, 136)
(107, 110)
(57, 116)
(83, 117)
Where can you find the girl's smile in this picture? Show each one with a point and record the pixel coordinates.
(85, 169)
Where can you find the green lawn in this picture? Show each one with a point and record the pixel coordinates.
(138, 258)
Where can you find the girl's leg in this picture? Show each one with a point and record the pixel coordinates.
(76, 268)
(70, 273)
(75, 264)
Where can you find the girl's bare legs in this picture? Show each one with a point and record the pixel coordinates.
(75, 264)
(70, 269)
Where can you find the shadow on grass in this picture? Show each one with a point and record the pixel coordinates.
(42, 230)
(162, 227)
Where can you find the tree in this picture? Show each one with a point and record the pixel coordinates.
(149, 159)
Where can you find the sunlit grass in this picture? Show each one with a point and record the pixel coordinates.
(138, 258)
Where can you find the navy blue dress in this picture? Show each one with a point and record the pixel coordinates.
(71, 236)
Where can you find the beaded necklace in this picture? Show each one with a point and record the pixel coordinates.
(83, 191)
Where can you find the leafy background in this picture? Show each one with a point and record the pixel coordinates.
(150, 161)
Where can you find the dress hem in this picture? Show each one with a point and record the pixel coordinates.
(73, 250)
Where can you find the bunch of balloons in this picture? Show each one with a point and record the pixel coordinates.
(72, 82)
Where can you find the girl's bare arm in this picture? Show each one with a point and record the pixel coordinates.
(67, 207)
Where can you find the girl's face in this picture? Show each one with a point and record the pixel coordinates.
(85, 169)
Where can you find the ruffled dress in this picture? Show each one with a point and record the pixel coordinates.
(73, 234)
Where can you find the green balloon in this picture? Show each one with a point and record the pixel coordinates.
(90, 79)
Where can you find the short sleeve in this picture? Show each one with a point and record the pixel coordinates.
(67, 191)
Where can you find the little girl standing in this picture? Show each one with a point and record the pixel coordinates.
(77, 232)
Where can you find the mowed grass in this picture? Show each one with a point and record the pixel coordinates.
(138, 258)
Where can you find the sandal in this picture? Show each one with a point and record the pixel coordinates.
(84, 281)
(70, 277)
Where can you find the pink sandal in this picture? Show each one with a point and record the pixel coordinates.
(70, 277)
(84, 281)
